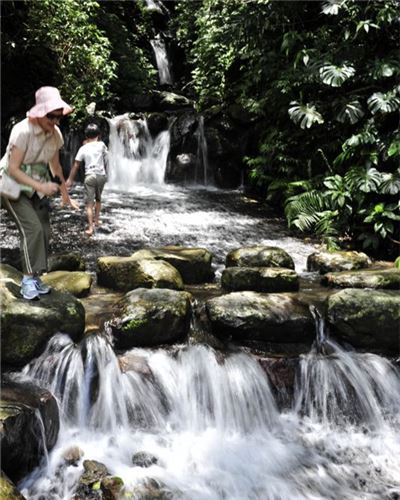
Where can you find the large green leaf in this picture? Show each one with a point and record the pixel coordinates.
(332, 7)
(304, 114)
(335, 75)
(383, 103)
(351, 112)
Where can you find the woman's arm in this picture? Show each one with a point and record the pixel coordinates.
(14, 170)
(56, 170)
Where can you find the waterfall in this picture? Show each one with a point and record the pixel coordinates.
(135, 156)
(211, 423)
(160, 53)
(202, 168)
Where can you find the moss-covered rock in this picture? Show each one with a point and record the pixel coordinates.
(128, 273)
(260, 279)
(27, 325)
(367, 319)
(259, 256)
(22, 428)
(194, 264)
(151, 317)
(326, 262)
(275, 318)
(368, 278)
(76, 282)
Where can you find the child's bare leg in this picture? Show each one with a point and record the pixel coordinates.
(97, 209)
(89, 212)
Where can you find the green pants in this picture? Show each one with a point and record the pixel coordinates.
(32, 218)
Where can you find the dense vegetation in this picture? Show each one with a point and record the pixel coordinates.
(320, 80)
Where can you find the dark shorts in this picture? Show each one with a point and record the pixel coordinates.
(94, 185)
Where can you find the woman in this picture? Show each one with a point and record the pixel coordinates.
(34, 146)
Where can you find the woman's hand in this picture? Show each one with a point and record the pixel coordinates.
(48, 188)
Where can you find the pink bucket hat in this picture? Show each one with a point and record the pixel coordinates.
(48, 99)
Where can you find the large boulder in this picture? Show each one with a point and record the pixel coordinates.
(259, 256)
(128, 273)
(28, 413)
(368, 278)
(326, 262)
(27, 325)
(151, 317)
(193, 264)
(77, 283)
(260, 279)
(367, 319)
(273, 318)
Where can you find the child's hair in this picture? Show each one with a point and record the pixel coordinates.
(92, 130)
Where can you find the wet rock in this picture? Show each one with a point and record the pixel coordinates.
(72, 455)
(367, 319)
(27, 414)
(369, 278)
(193, 264)
(326, 262)
(8, 490)
(259, 256)
(128, 273)
(153, 489)
(157, 122)
(27, 325)
(151, 317)
(144, 459)
(132, 362)
(260, 279)
(282, 376)
(112, 488)
(242, 316)
(93, 471)
(77, 283)
(66, 262)
(182, 168)
(169, 101)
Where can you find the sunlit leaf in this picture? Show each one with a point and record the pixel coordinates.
(332, 7)
(335, 75)
(304, 115)
(383, 103)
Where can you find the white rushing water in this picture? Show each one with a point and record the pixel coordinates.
(160, 53)
(212, 424)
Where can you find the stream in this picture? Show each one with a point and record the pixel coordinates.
(208, 420)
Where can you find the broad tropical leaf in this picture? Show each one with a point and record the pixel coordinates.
(331, 7)
(335, 75)
(351, 112)
(383, 103)
(304, 114)
(390, 183)
(365, 180)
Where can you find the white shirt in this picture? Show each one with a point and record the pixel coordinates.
(94, 154)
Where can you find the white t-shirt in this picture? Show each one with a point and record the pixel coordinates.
(95, 156)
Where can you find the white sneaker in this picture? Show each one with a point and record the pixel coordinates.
(29, 290)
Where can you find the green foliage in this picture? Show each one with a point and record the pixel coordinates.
(78, 50)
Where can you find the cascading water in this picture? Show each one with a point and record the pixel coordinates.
(136, 158)
(212, 427)
(160, 53)
(202, 168)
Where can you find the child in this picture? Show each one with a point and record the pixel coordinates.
(94, 154)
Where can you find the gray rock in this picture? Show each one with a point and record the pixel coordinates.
(78, 283)
(66, 262)
(367, 319)
(260, 279)
(259, 256)
(128, 273)
(151, 317)
(326, 262)
(369, 278)
(271, 317)
(27, 325)
(25, 410)
(193, 264)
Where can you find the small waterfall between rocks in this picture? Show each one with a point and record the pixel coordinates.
(160, 53)
(212, 428)
(136, 158)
